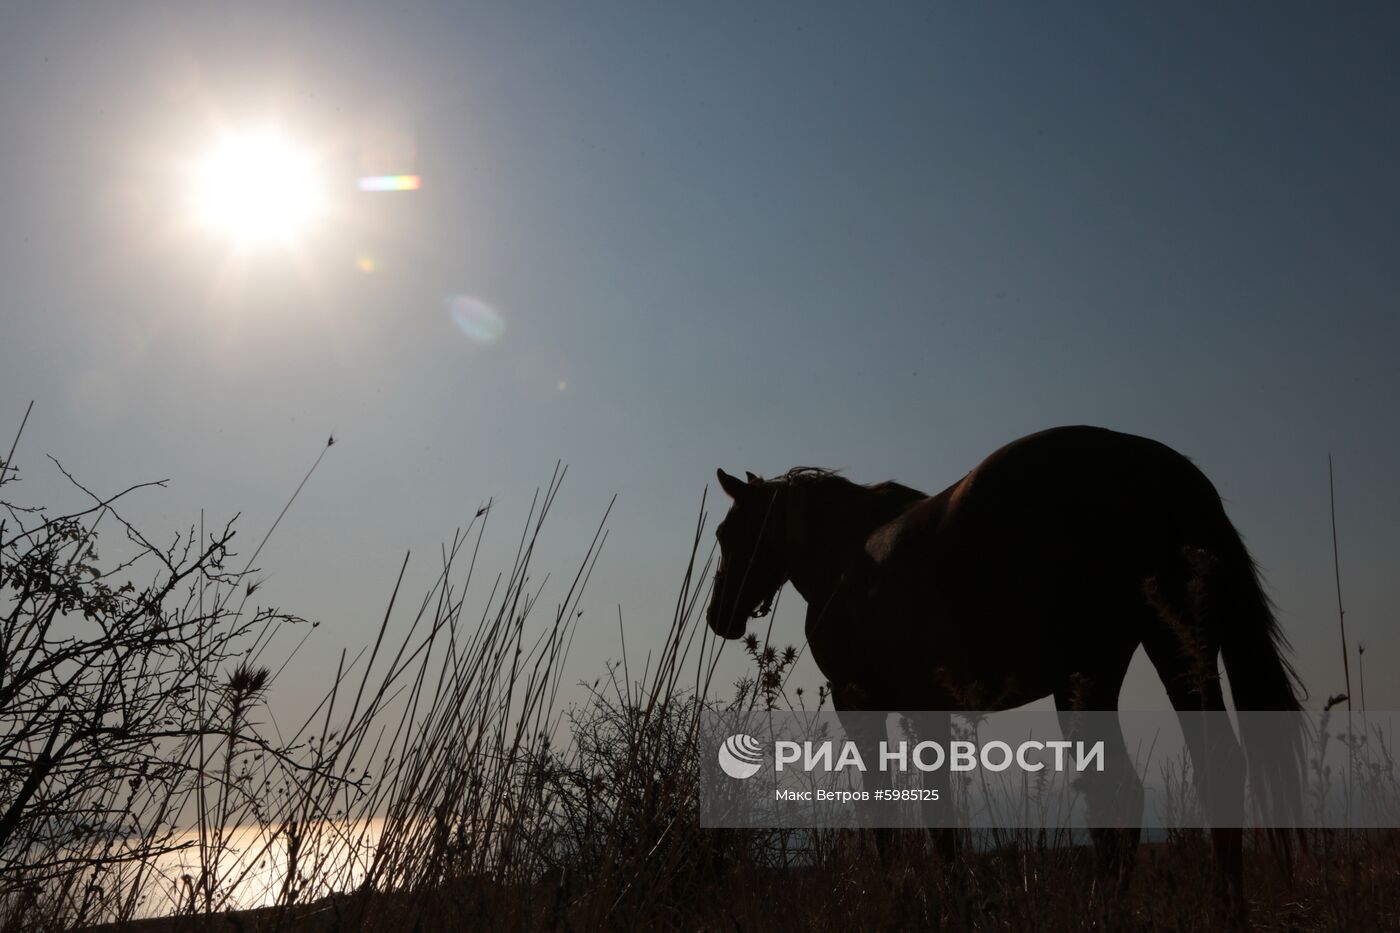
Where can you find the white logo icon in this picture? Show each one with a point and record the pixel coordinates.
(740, 756)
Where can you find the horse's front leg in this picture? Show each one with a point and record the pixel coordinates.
(863, 726)
(938, 728)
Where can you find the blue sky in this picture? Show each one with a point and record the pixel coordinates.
(717, 235)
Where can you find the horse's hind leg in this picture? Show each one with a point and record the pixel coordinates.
(1088, 711)
(1187, 664)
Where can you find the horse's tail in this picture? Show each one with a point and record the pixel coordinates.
(1265, 686)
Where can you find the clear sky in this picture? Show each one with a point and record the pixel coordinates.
(885, 238)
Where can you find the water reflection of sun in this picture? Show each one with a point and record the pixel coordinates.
(252, 869)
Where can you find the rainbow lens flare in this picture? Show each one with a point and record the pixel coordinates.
(477, 320)
(390, 183)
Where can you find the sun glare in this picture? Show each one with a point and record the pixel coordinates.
(258, 188)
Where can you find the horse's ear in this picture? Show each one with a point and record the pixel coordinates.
(733, 486)
(752, 478)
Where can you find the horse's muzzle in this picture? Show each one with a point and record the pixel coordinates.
(726, 620)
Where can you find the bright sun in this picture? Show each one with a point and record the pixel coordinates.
(258, 188)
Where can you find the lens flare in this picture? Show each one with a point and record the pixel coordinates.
(476, 319)
(390, 183)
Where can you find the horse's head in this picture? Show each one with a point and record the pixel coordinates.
(750, 553)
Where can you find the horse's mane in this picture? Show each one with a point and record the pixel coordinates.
(809, 474)
(832, 480)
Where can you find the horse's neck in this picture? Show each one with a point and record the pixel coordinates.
(835, 528)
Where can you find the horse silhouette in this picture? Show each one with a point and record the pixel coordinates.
(1037, 574)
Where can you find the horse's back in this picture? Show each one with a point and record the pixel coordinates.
(1086, 479)
(1062, 507)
